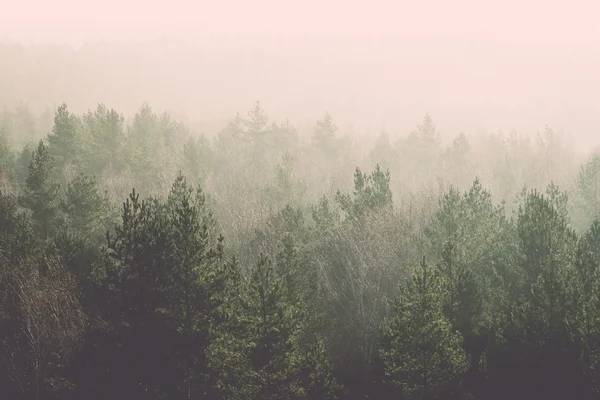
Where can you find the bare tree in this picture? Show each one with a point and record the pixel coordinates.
(44, 321)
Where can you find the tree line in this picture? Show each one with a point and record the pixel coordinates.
(252, 266)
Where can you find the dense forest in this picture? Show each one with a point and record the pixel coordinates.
(140, 259)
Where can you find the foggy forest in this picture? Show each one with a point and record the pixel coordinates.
(238, 213)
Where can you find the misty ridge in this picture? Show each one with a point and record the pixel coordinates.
(325, 218)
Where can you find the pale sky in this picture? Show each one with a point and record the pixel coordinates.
(541, 22)
(472, 64)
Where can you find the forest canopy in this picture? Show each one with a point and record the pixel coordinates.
(140, 259)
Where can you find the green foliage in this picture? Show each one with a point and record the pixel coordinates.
(40, 194)
(546, 240)
(287, 187)
(371, 193)
(65, 143)
(163, 309)
(282, 365)
(543, 320)
(17, 238)
(325, 218)
(86, 211)
(463, 304)
(163, 281)
(107, 139)
(422, 354)
(6, 162)
(587, 192)
(588, 266)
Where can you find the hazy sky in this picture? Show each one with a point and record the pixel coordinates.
(473, 64)
(543, 22)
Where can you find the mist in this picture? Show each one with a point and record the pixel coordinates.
(309, 200)
(472, 66)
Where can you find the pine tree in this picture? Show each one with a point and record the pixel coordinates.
(17, 237)
(587, 192)
(272, 327)
(473, 242)
(105, 128)
(544, 321)
(324, 137)
(588, 266)
(256, 125)
(317, 380)
(420, 151)
(6, 161)
(283, 137)
(87, 211)
(383, 152)
(163, 283)
(287, 188)
(41, 193)
(144, 144)
(63, 142)
(273, 333)
(371, 194)
(422, 354)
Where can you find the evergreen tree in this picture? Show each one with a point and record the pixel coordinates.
(6, 163)
(422, 354)
(107, 137)
(17, 237)
(324, 137)
(283, 365)
(162, 285)
(588, 266)
(420, 151)
(87, 212)
(457, 161)
(256, 125)
(272, 330)
(543, 322)
(383, 152)
(64, 143)
(473, 242)
(288, 188)
(371, 193)
(587, 192)
(41, 193)
(283, 137)
(144, 144)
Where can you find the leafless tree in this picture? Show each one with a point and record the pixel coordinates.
(44, 320)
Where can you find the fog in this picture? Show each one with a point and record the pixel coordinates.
(473, 66)
(271, 200)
